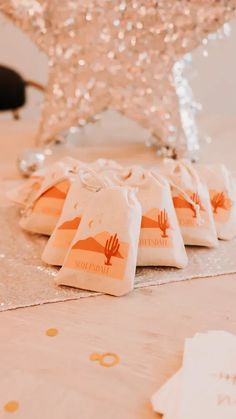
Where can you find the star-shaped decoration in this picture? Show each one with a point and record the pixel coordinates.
(116, 54)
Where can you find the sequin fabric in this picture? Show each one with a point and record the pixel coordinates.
(120, 55)
(26, 281)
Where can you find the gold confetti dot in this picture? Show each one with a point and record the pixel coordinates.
(52, 332)
(11, 406)
(94, 357)
(108, 359)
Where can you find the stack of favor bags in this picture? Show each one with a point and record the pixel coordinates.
(103, 220)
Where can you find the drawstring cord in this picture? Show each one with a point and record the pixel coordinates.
(28, 196)
(180, 190)
(82, 173)
(186, 165)
(103, 183)
(187, 198)
(121, 180)
(27, 210)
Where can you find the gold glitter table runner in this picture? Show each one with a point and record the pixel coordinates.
(26, 281)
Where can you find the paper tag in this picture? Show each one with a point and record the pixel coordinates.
(209, 377)
(206, 384)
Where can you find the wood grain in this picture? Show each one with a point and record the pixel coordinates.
(53, 377)
(146, 329)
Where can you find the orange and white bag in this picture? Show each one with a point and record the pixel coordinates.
(160, 242)
(27, 190)
(222, 190)
(191, 201)
(85, 185)
(103, 254)
(42, 213)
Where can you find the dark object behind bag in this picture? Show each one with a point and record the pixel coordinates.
(12, 90)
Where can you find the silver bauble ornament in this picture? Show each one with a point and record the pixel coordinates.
(30, 160)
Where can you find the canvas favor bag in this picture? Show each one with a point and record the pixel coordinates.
(43, 212)
(103, 254)
(27, 190)
(222, 190)
(160, 242)
(192, 203)
(83, 188)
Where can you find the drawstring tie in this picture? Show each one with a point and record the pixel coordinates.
(122, 178)
(187, 198)
(86, 173)
(82, 173)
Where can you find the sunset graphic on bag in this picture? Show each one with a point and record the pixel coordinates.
(102, 254)
(180, 202)
(26, 192)
(52, 200)
(155, 228)
(66, 232)
(187, 212)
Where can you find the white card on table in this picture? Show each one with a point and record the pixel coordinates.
(209, 377)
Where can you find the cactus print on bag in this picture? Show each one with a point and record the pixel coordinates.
(102, 254)
(186, 212)
(155, 229)
(221, 205)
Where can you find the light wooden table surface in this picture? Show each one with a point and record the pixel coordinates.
(53, 377)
